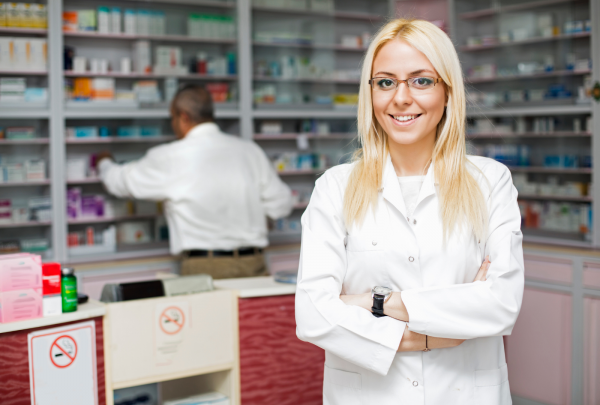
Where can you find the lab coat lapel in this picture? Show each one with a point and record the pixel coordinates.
(428, 187)
(393, 193)
(391, 188)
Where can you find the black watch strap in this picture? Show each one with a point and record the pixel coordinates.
(377, 307)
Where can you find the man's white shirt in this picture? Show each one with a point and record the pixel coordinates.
(217, 189)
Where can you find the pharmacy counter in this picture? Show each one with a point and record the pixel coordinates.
(275, 366)
(40, 338)
(92, 309)
(252, 287)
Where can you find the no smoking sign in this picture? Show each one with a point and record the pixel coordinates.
(63, 351)
(171, 326)
(172, 320)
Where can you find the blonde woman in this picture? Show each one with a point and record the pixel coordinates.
(391, 282)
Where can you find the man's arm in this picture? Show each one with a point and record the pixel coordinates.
(146, 179)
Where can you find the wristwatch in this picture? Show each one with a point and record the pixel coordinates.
(380, 296)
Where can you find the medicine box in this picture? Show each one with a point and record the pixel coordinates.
(51, 278)
(51, 305)
(20, 272)
(3, 7)
(20, 305)
(12, 15)
(86, 20)
(35, 170)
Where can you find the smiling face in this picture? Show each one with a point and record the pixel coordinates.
(408, 115)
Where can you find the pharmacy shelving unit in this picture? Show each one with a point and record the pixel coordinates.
(283, 34)
(51, 120)
(28, 232)
(506, 47)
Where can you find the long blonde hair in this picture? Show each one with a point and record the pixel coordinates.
(461, 199)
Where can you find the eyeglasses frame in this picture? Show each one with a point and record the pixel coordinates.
(436, 80)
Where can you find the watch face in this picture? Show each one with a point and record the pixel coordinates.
(379, 290)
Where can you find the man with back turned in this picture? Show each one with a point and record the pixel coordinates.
(218, 190)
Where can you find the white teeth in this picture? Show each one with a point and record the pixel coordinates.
(403, 118)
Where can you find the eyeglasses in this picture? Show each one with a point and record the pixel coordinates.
(414, 83)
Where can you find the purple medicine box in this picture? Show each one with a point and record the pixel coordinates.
(92, 206)
(73, 203)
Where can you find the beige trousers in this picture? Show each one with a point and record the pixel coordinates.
(225, 267)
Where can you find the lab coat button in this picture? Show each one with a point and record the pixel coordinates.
(415, 383)
(414, 221)
(411, 259)
(374, 243)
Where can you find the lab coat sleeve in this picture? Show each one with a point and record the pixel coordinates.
(482, 308)
(276, 196)
(146, 179)
(347, 331)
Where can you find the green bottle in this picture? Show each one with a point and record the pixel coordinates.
(68, 290)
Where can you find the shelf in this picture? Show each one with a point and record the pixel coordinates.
(557, 170)
(507, 9)
(29, 224)
(525, 42)
(25, 31)
(298, 113)
(195, 3)
(84, 181)
(332, 47)
(36, 141)
(119, 75)
(341, 15)
(555, 241)
(301, 172)
(557, 134)
(23, 72)
(26, 183)
(127, 255)
(570, 109)
(304, 80)
(565, 198)
(150, 113)
(283, 137)
(161, 38)
(85, 221)
(7, 112)
(558, 73)
(149, 139)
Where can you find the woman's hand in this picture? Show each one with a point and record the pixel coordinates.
(482, 273)
(415, 342)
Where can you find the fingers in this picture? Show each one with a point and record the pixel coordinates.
(482, 273)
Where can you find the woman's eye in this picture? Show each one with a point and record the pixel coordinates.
(385, 84)
(422, 82)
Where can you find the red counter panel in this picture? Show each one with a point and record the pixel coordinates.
(276, 367)
(14, 365)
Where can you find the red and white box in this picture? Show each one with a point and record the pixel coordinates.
(51, 299)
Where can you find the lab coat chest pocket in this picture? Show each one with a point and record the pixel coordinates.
(364, 254)
(341, 387)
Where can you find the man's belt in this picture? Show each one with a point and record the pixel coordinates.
(226, 253)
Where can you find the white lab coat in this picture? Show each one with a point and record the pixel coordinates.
(362, 364)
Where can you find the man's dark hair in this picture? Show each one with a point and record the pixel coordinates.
(196, 102)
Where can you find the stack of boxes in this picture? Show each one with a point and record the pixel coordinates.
(28, 288)
(23, 15)
(23, 54)
(20, 287)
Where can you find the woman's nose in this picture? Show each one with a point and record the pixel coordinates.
(403, 94)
